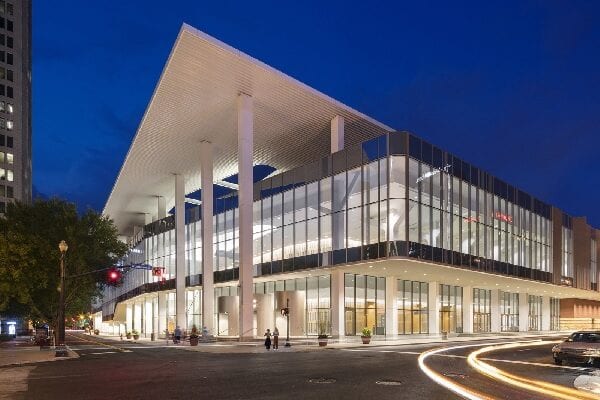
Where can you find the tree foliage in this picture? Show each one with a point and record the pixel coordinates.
(30, 258)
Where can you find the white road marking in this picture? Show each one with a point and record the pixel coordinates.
(102, 352)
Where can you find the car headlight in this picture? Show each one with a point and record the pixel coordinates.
(591, 353)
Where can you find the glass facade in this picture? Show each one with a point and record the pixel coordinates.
(554, 314)
(535, 312)
(412, 300)
(451, 300)
(389, 197)
(509, 312)
(482, 310)
(364, 304)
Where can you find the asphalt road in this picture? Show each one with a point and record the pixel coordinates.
(144, 372)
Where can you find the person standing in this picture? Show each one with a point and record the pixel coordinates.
(177, 335)
(268, 339)
(275, 339)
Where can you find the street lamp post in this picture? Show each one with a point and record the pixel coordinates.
(60, 345)
(287, 336)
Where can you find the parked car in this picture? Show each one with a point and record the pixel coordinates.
(582, 347)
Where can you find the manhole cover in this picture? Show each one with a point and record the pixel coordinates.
(389, 383)
(321, 380)
(455, 375)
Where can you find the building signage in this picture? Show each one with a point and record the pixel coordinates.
(503, 217)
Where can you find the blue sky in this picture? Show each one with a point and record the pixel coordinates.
(510, 86)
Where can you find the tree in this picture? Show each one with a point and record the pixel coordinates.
(29, 258)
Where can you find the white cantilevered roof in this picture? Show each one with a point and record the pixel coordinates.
(195, 100)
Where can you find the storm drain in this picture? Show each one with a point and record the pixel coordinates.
(321, 380)
(389, 383)
(455, 375)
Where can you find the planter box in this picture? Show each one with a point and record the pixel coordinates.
(194, 341)
(366, 339)
(322, 342)
(136, 337)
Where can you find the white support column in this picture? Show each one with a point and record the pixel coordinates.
(523, 312)
(181, 319)
(337, 133)
(433, 303)
(391, 306)
(245, 122)
(545, 313)
(208, 288)
(495, 311)
(338, 329)
(161, 210)
(467, 309)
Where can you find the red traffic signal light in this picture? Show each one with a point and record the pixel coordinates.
(114, 276)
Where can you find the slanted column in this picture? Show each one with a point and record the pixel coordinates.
(433, 303)
(523, 312)
(161, 210)
(206, 184)
(337, 133)
(495, 311)
(245, 122)
(180, 252)
(391, 306)
(467, 309)
(338, 329)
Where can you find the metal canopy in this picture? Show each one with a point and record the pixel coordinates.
(195, 100)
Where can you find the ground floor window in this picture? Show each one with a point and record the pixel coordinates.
(308, 300)
(554, 314)
(194, 309)
(364, 304)
(413, 310)
(482, 310)
(450, 298)
(171, 312)
(509, 312)
(535, 313)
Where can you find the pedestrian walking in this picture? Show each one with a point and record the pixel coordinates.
(177, 335)
(268, 339)
(275, 339)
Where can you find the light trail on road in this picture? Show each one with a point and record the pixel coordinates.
(545, 388)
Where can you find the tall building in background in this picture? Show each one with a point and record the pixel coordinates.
(15, 101)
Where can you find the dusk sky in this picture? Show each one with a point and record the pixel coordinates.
(510, 86)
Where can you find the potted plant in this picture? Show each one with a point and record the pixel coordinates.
(194, 337)
(96, 331)
(366, 336)
(322, 338)
(128, 335)
(135, 334)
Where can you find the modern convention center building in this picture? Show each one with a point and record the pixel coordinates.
(246, 192)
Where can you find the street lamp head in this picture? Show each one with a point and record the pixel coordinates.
(62, 246)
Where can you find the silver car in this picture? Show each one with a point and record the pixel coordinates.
(582, 347)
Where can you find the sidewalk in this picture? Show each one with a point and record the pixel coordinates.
(311, 344)
(19, 352)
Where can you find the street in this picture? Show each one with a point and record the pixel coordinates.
(128, 370)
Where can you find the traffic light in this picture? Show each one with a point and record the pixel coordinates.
(114, 277)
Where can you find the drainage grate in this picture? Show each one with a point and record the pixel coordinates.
(321, 380)
(389, 383)
(455, 375)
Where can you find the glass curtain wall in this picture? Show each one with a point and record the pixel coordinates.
(535, 312)
(413, 308)
(509, 312)
(482, 310)
(317, 294)
(445, 212)
(567, 255)
(194, 308)
(364, 304)
(554, 314)
(451, 300)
